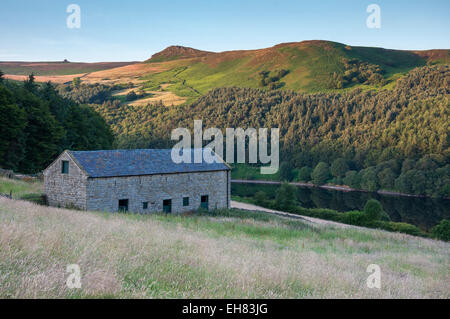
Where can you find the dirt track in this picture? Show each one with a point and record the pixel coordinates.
(254, 208)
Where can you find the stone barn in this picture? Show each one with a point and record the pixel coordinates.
(140, 181)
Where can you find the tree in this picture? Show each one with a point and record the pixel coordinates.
(321, 173)
(281, 73)
(408, 164)
(339, 167)
(419, 181)
(352, 179)
(369, 180)
(30, 84)
(304, 174)
(12, 136)
(285, 197)
(442, 230)
(286, 172)
(131, 96)
(1, 76)
(43, 133)
(373, 209)
(261, 198)
(426, 163)
(76, 82)
(386, 178)
(403, 183)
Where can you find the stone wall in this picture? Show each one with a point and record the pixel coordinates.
(65, 190)
(103, 194)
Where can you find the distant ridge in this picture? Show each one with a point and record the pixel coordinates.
(57, 67)
(176, 52)
(307, 66)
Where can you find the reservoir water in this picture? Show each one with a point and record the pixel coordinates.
(424, 212)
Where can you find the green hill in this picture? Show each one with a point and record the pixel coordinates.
(309, 66)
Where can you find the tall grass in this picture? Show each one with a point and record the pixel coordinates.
(225, 254)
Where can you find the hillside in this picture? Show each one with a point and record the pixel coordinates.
(308, 66)
(227, 254)
(381, 135)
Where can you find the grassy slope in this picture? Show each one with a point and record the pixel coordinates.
(19, 188)
(233, 254)
(310, 64)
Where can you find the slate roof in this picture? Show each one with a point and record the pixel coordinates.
(117, 163)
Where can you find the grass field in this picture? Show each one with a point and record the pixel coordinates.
(232, 254)
(19, 188)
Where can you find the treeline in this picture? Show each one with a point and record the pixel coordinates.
(357, 72)
(85, 93)
(272, 80)
(389, 139)
(37, 124)
(429, 175)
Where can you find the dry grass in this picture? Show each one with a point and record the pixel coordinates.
(130, 73)
(58, 79)
(239, 255)
(166, 97)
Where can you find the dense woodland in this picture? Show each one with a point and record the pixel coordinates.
(83, 94)
(394, 139)
(36, 124)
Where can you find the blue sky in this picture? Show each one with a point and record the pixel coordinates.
(113, 30)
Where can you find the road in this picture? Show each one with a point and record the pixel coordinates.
(317, 221)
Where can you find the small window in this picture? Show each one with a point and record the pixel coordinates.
(145, 205)
(65, 167)
(185, 201)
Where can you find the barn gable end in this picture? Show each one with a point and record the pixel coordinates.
(65, 189)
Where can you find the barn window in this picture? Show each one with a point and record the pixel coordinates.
(65, 167)
(185, 201)
(145, 205)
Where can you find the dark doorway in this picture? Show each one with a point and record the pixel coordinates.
(123, 205)
(205, 202)
(167, 206)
